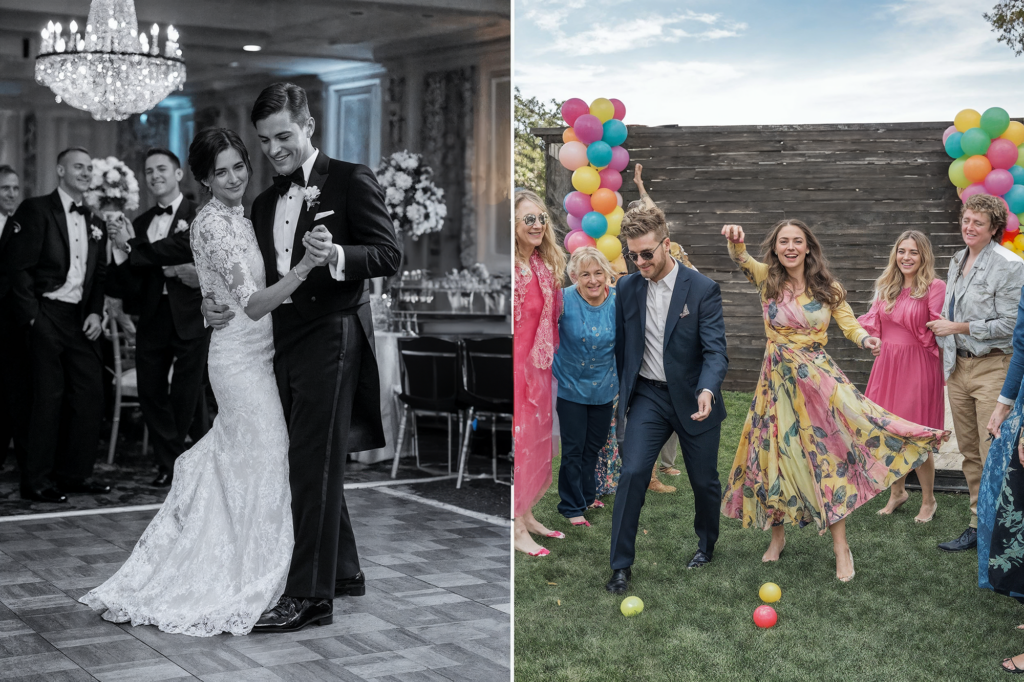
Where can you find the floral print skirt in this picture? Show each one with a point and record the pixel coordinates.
(608, 463)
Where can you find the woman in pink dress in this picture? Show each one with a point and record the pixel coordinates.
(906, 378)
(539, 271)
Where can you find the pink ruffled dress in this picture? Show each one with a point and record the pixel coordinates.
(906, 378)
(537, 301)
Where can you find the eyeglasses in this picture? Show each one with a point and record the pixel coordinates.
(529, 219)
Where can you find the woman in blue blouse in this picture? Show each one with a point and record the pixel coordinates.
(587, 383)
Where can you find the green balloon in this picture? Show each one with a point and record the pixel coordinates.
(1020, 156)
(956, 173)
(975, 141)
(995, 121)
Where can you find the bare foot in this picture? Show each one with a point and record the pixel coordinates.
(525, 543)
(579, 521)
(927, 512)
(895, 502)
(844, 564)
(774, 551)
(1021, 626)
(538, 528)
(1014, 664)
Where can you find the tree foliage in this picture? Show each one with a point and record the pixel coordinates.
(1007, 18)
(530, 149)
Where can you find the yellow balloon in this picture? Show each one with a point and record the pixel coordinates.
(1014, 133)
(967, 119)
(609, 246)
(586, 179)
(1018, 241)
(631, 606)
(605, 110)
(770, 592)
(615, 220)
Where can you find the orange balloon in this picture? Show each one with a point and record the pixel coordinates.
(1014, 133)
(569, 135)
(604, 201)
(977, 168)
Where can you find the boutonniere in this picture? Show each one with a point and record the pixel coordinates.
(182, 226)
(96, 233)
(312, 196)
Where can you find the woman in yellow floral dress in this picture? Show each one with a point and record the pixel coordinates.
(813, 447)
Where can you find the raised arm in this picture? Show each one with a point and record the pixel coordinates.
(755, 270)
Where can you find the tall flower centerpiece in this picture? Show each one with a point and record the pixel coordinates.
(415, 203)
(113, 187)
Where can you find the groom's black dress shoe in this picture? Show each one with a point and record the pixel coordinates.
(353, 587)
(86, 487)
(163, 480)
(619, 581)
(292, 613)
(699, 559)
(42, 495)
(967, 540)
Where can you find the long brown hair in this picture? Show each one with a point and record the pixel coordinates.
(890, 284)
(550, 252)
(819, 282)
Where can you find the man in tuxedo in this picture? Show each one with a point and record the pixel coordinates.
(159, 283)
(323, 343)
(14, 376)
(670, 352)
(57, 287)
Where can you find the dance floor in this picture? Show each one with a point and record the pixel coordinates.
(437, 605)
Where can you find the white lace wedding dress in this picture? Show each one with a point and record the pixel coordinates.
(217, 553)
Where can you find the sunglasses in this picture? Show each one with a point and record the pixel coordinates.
(646, 255)
(529, 219)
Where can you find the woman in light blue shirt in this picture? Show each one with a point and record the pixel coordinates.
(587, 382)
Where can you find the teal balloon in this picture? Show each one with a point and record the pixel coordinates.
(614, 132)
(595, 224)
(953, 147)
(1018, 174)
(1015, 198)
(995, 121)
(600, 153)
(975, 141)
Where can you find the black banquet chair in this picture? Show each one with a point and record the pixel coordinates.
(486, 391)
(431, 374)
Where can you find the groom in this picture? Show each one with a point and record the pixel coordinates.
(323, 343)
(670, 355)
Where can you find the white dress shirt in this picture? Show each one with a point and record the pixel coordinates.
(659, 296)
(3, 222)
(78, 240)
(286, 218)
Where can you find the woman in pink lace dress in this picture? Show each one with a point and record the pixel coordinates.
(539, 271)
(906, 379)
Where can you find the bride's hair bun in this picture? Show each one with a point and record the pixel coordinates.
(202, 153)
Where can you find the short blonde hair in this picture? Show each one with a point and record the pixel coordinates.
(585, 256)
(642, 220)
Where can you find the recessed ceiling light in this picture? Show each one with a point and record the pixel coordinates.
(234, 65)
(251, 48)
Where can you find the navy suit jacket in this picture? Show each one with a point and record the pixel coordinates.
(694, 351)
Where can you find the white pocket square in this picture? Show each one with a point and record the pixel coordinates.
(322, 215)
(686, 311)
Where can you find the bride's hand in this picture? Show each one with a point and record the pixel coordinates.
(319, 246)
(733, 233)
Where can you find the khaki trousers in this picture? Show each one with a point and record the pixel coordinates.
(973, 389)
(668, 452)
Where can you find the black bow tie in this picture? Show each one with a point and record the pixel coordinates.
(162, 210)
(78, 208)
(283, 182)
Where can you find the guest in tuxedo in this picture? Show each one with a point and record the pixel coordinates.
(671, 356)
(160, 284)
(323, 343)
(14, 339)
(57, 288)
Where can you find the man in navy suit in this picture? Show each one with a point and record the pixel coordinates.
(671, 359)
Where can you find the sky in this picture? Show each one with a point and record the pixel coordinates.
(748, 62)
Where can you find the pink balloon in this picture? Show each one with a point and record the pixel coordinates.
(998, 181)
(949, 131)
(618, 199)
(620, 110)
(574, 222)
(613, 180)
(971, 190)
(565, 240)
(575, 240)
(1002, 153)
(1005, 204)
(1012, 223)
(578, 204)
(573, 155)
(573, 109)
(588, 128)
(620, 159)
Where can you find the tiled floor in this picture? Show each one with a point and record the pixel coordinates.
(436, 607)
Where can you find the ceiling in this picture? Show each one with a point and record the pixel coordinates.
(296, 36)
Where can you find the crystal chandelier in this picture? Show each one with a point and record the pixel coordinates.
(110, 70)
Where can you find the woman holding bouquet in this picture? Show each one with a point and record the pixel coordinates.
(813, 448)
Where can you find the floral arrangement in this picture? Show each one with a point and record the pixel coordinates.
(113, 186)
(415, 203)
(475, 278)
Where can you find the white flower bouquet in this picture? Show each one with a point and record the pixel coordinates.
(113, 186)
(415, 203)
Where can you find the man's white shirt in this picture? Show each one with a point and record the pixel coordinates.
(659, 297)
(78, 241)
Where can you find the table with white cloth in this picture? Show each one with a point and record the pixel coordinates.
(386, 344)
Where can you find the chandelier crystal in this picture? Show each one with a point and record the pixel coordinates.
(110, 69)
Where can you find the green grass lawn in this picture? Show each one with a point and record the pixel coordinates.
(911, 613)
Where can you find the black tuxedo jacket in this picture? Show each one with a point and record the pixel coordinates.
(6, 260)
(358, 221)
(694, 351)
(42, 256)
(141, 278)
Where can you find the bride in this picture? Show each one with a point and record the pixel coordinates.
(216, 555)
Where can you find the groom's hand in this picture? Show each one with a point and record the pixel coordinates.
(321, 242)
(216, 316)
(703, 407)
